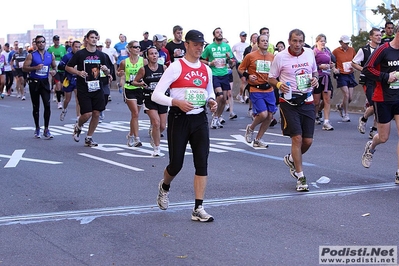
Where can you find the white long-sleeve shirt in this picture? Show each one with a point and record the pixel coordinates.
(172, 73)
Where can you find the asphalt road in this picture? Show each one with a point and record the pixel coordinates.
(65, 204)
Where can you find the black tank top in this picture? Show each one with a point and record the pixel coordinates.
(151, 78)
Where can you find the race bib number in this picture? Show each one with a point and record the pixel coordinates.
(57, 63)
(161, 61)
(347, 66)
(152, 85)
(93, 85)
(20, 64)
(42, 72)
(303, 82)
(220, 62)
(394, 85)
(196, 96)
(123, 53)
(263, 66)
(132, 77)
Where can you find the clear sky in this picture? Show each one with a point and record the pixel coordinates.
(109, 18)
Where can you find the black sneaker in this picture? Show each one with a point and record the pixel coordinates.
(89, 142)
(397, 178)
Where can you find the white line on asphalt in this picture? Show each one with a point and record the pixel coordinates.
(111, 162)
(16, 157)
(86, 216)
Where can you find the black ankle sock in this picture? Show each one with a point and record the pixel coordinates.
(373, 129)
(198, 202)
(165, 187)
(364, 119)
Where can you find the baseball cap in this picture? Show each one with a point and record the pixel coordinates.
(145, 32)
(99, 44)
(194, 36)
(56, 37)
(243, 33)
(345, 39)
(27, 44)
(159, 38)
(20, 45)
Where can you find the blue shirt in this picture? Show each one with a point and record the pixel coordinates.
(122, 52)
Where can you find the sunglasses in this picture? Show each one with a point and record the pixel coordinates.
(41, 42)
(135, 47)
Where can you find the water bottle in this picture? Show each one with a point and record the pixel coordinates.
(288, 95)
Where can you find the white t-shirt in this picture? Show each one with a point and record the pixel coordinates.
(111, 52)
(297, 70)
(7, 66)
(238, 50)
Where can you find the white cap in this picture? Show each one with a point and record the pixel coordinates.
(158, 38)
(345, 39)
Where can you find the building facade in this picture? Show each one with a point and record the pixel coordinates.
(61, 30)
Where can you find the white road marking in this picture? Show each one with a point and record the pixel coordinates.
(86, 216)
(16, 157)
(111, 162)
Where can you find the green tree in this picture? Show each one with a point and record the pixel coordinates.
(388, 14)
(360, 40)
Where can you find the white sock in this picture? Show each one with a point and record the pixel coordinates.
(300, 174)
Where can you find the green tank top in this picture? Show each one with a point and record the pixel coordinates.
(131, 71)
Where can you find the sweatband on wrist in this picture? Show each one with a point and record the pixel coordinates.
(245, 74)
(278, 85)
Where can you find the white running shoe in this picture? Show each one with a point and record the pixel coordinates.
(63, 114)
(201, 215)
(249, 134)
(163, 197)
(260, 143)
(367, 156)
(327, 126)
(361, 126)
(301, 184)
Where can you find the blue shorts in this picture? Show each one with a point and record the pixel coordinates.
(68, 85)
(346, 80)
(221, 82)
(385, 111)
(263, 101)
